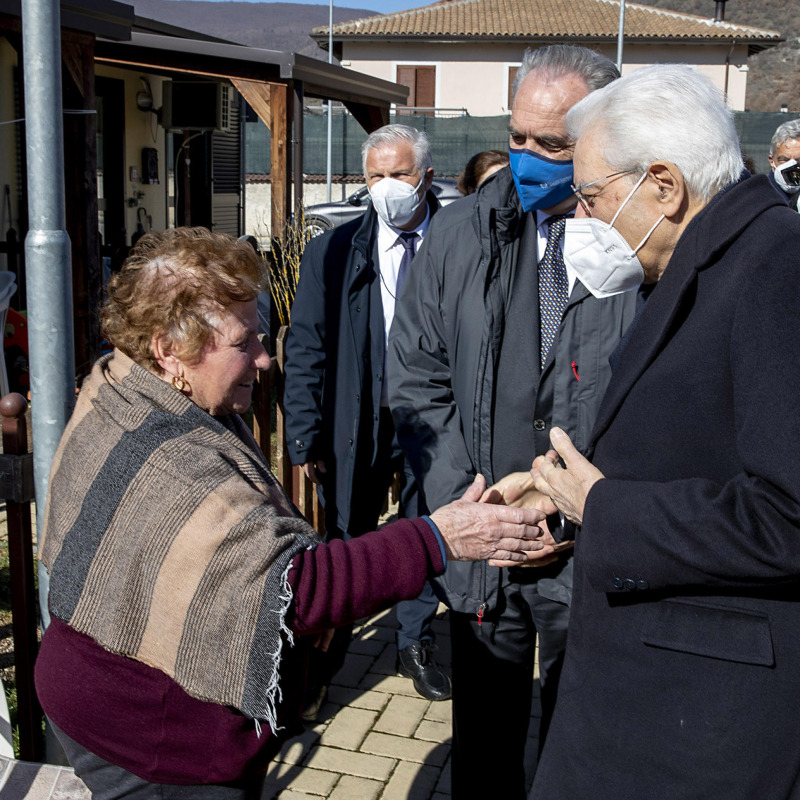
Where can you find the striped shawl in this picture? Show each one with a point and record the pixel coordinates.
(168, 539)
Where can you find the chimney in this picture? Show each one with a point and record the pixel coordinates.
(719, 11)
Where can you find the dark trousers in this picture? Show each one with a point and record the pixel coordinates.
(414, 617)
(106, 781)
(492, 671)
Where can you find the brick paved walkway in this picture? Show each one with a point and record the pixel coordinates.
(376, 739)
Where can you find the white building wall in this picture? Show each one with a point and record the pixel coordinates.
(475, 76)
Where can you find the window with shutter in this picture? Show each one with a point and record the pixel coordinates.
(421, 82)
(512, 73)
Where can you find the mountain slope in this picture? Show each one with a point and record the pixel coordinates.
(274, 26)
(774, 74)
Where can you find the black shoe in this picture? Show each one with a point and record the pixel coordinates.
(417, 662)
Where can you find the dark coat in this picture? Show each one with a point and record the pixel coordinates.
(443, 352)
(682, 672)
(331, 389)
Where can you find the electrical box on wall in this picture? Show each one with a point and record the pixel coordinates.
(196, 106)
(149, 165)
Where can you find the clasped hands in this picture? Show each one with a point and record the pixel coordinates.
(548, 487)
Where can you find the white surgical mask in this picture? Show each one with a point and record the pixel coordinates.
(781, 181)
(396, 201)
(601, 258)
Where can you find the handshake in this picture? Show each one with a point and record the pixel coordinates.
(509, 520)
(505, 524)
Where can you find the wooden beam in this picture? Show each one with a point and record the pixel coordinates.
(280, 160)
(297, 146)
(370, 118)
(258, 96)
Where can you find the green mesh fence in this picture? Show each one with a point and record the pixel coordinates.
(454, 140)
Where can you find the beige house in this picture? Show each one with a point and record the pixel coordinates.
(463, 54)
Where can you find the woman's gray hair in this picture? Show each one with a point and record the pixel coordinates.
(664, 112)
(784, 132)
(400, 134)
(558, 60)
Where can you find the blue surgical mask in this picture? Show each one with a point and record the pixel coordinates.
(541, 182)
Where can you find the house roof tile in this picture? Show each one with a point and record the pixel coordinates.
(544, 20)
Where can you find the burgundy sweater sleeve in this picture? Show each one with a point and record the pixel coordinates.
(340, 582)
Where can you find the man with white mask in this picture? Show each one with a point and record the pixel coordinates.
(784, 159)
(683, 665)
(496, 341)
(338, 423)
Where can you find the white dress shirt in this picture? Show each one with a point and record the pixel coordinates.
(390, 253)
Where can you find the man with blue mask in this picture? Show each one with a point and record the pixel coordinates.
(338, 423)
(495, 342)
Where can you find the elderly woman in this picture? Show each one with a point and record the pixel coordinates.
(179, 569)
(682, 672)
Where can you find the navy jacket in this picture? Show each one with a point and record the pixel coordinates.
(334, 359)
(682, 671)
(443, 350)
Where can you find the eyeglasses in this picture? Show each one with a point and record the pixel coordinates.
(578, 190)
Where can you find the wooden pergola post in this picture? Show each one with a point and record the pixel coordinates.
(280, 159)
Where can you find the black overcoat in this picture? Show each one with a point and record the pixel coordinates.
(334, 361)
(682, 673)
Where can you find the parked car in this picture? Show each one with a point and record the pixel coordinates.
(324, 216)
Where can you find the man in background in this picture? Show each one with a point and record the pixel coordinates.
(339, 426)
(494, 342)
(784, 155)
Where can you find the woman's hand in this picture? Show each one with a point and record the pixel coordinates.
(549, 553)
(475, 531)
(568, 488)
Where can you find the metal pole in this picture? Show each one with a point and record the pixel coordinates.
(48, 262)
(330, 103)
(620, 34)
(297, 146)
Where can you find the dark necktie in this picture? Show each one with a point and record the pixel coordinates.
(409, 242)
(553, 286)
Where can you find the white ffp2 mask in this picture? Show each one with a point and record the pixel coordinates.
(396, 201)
(601, 258)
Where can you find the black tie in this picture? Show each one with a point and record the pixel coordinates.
(409, 242)
(553, 286)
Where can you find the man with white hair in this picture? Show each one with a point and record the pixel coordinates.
(784, 159)
(495, 341)
(338, 423)
(682, 673)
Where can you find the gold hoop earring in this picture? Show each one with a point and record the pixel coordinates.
(178, 382)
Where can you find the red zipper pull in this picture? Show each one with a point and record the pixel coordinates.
(481, 609)
(575, 370)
